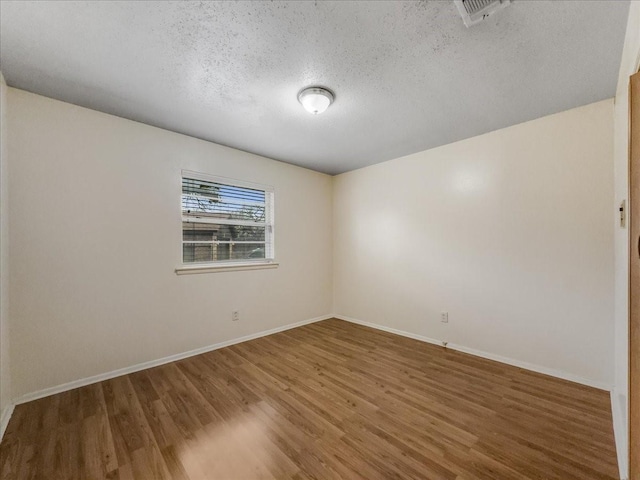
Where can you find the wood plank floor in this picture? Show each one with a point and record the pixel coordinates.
(327, 400)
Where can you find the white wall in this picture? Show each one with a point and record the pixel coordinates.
(95, 237)
(510, 232)
(5, 373)
(628, 65)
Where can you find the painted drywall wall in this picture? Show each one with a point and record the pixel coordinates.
(5, 372)
(628, 65)
(95, 232)
(509, 232)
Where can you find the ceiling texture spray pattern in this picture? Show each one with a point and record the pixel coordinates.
(407, 76)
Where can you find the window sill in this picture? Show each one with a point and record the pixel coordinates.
(227, 267)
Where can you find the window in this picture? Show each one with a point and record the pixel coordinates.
(225, 221)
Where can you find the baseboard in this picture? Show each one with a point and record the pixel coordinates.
(155, 363)
(403, 333)
(490, 356)
(620, 434)
(4, 419)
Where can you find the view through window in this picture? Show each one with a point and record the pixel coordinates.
(225, 221)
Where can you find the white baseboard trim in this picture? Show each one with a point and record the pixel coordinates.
(155, 363)
(490, 356)
(4, 419)
(620, 434)
(403, 333)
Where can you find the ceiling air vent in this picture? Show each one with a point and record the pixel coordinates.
(474, 11)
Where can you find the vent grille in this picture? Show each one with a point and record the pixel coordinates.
(474, 11)
(474, 6)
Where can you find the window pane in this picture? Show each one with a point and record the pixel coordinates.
(222, 233)
(215, 200)
(197, 252)
(198, 231)
(245, 251)
(210, 252)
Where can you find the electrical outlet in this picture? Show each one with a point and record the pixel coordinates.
(235, 315)
(444, 317)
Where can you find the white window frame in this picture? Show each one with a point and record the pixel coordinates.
(231, 265)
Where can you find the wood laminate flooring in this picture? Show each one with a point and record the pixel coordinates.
(327, 400)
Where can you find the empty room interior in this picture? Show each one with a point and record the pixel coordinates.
(320, 240)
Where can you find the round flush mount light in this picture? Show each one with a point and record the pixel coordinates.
(315, 100)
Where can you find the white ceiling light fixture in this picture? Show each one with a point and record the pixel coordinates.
(315, 100)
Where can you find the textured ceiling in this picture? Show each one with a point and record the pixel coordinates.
(408, 76)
